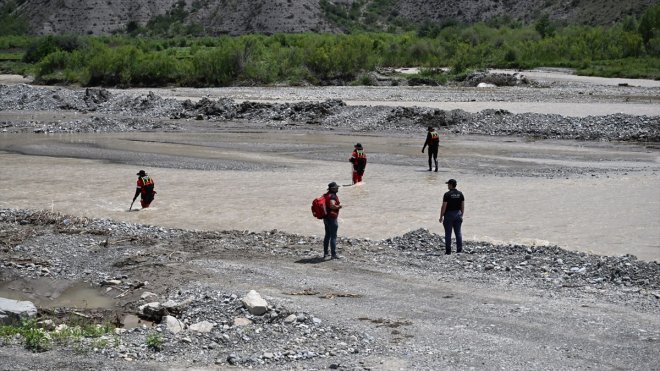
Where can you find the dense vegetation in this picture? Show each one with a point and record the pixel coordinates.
(628, 49)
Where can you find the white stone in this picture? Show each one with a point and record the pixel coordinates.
(204, 326)
(147, 294)
(46, 324)
(173, 324)
(486, 85)
(153, 305)
(254, 303)
(291, 318)
(241, 321)
(12, 311)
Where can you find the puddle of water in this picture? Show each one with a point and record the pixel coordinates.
(611, 215)
(48, 293)
(132, 321)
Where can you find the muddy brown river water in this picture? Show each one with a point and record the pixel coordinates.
(608, 203)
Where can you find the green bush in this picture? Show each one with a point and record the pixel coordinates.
(154, 342)
(43, 46)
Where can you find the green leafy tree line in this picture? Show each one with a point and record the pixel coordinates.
(631, 48)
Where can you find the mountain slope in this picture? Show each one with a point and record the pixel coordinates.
(293, 16)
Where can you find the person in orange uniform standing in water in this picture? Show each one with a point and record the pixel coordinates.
(145, 189)
(359, 161)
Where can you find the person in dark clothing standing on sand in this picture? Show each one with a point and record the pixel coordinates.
(453, 206)
(330, 221)
(433, 141)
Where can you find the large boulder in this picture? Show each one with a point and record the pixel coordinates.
(152, 312)
(12, 311)
(254, 303)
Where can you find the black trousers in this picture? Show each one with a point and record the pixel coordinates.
(433, 154)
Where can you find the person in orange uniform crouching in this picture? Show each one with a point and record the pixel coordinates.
(359, 161)
(145, 189)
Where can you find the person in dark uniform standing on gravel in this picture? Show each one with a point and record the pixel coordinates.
(433, 141)
(451, 216)
(145, 189)
(330, 221)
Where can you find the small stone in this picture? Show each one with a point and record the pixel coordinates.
(241, 321)
(111, 283)
(204, 327)
(147, 294)
(232, 359)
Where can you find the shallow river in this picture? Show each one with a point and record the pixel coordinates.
(266, 180)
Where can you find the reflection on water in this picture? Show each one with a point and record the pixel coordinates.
(612, 215)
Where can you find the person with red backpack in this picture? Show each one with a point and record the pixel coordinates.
(145, 189)
(332, 206)
(359, 161)
(433, 141)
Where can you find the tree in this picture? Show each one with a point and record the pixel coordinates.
(649, 24)
(544, 27)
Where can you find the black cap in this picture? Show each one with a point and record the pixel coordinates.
(333, 185)
(452, 182)
(431, 128)
(358, 145)
(141, 173)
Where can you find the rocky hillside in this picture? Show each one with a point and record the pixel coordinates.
(569, 11)
(235, 17)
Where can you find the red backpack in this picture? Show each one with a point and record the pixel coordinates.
(318, 207)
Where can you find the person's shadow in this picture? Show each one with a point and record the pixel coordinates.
(314, 260)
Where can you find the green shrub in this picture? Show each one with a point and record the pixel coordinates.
(36, 339)
(43, 46)
(154, 342)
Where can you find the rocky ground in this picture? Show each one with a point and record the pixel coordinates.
(398, 303)
(138, 264)
(111, 112)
